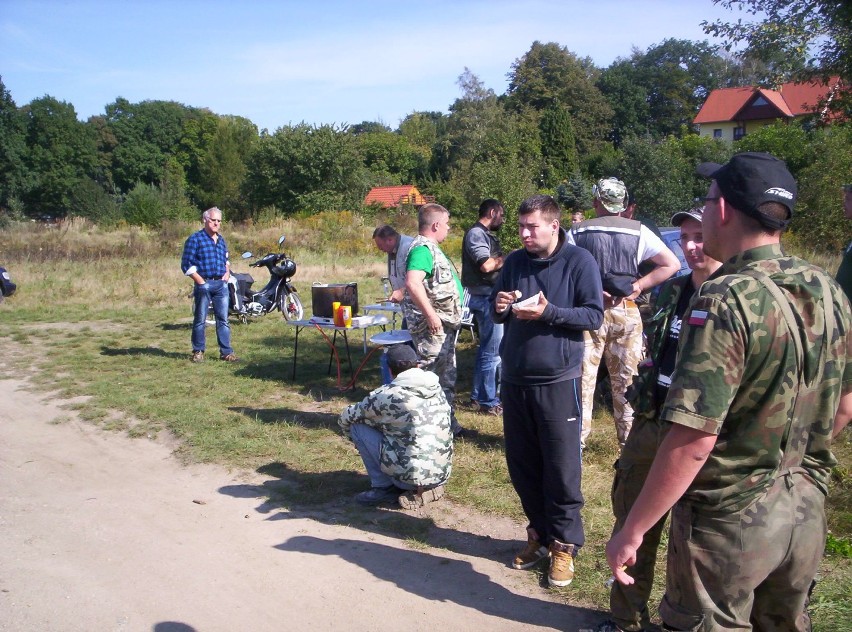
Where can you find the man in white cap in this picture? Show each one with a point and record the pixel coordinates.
(619, 245)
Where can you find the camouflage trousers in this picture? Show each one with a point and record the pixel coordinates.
(619, 343)
(629, 604)
(748, 569)
(437, 354)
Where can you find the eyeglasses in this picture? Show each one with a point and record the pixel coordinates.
(214, 221)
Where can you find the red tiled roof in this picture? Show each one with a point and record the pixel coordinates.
(790, 100)
(391, 196)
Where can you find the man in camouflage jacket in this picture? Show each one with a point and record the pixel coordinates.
(761, 386)
(402, 431)
(628, 604)
(432, 303)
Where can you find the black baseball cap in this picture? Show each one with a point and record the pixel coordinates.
(400, 354)
(751, 178)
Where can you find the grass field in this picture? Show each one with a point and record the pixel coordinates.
(107, 316)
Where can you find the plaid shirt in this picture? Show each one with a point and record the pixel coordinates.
(208, 256)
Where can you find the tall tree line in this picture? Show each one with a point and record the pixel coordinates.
(561, 124)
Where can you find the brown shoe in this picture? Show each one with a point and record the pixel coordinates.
(497, 410)
(197, 356)
(229, 358)
(532, 554)
(415, 499)
(561, 564)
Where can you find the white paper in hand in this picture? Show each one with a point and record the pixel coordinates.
(527, 302)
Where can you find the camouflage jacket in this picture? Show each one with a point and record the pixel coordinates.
(642, 393)
(441, 289)
(738, 375)
(413, 415)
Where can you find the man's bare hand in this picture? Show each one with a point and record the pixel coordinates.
(503, 301)
(435, 324)
(397, 295)
(531, 312)
(621, 553)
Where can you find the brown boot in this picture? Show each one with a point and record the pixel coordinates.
(561, 564)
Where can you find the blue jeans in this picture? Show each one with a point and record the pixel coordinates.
(487, 363)
(368, 440)
(217, 292)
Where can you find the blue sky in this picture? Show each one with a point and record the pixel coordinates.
(284, 62)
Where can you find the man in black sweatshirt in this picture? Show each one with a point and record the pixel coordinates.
(547, 295)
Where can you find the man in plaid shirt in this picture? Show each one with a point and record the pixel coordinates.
(205, 260)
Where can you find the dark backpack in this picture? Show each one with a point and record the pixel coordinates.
(7, 288)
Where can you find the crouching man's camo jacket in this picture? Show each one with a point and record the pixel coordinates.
(414, 417)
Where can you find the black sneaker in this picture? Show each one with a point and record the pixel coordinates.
(378, 495)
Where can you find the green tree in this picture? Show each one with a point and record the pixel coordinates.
(789, 31)
(818, 218)
(221, 165)
(550, 74)
(306, 168)
(558, 148)
(89, 200)
(788, 141)
(628, 98)
(658, 175)
(677, 76)
(423, 129)
(392, 159)
(574, 194)
(14, 180)
(145, 134)
(61, 152)
(481, 135)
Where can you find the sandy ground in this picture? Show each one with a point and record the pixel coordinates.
(103, 532)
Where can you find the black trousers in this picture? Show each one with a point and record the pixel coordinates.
(541, 425)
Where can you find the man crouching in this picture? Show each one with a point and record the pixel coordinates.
(402, 432)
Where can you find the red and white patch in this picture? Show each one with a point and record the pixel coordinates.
(697, 318)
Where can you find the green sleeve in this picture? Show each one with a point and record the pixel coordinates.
(420, 258)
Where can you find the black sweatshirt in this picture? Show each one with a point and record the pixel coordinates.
(550, 349)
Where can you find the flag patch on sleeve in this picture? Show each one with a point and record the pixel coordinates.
(697, 318)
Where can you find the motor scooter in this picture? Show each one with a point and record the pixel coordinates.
(279, 293)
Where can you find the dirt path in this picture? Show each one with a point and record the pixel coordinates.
(102, 532)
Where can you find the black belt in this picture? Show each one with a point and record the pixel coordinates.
(217, 278)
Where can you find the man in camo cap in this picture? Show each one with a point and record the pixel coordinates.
(761, 385)
(402, 431)
(619, 245)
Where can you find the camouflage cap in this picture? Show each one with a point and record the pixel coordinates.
(693, 213)
(612, 193)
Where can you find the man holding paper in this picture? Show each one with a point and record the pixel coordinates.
(547, 295)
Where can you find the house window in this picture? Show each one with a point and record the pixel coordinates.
(717, 133)
(739, 132)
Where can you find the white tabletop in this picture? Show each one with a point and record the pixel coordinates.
(387, 338)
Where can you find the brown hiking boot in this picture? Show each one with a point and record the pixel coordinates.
(533, 553)
(197, 356)
(416, 499)
(561, 564)
(229, 358)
